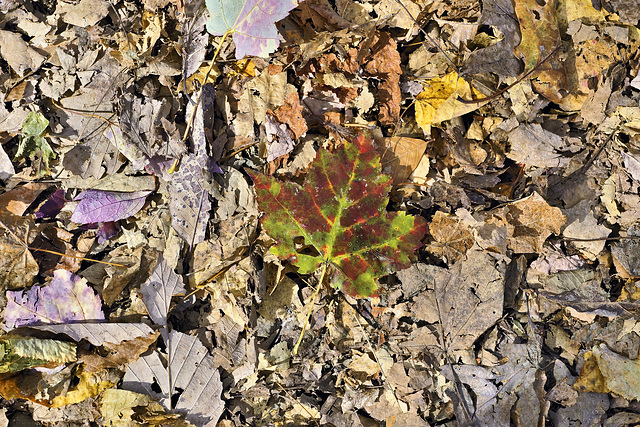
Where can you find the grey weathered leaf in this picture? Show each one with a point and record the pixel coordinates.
(190, 204)
(99, 333)
(157, 291)
(191, 369)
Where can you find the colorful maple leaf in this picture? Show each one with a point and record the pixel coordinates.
(339, 217)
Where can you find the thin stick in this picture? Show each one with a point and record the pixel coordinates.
(500, 92)
(375, 356)
(176, 163)
(77, 257)
(314, 296)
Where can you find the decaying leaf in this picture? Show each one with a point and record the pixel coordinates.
(18, 353)
(401, 156)
(452, 237)
(190, 204)
(338, 216)
(529, 222)
(606, 371)
(17, 265)
(66, 299)
(33, 141)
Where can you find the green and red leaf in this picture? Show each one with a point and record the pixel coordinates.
(338, 216)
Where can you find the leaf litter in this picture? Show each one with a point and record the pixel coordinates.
(170, 200)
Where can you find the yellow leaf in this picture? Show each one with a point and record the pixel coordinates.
(89, 386)
(439, 101)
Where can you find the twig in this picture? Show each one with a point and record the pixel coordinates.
(314, 296)
(375, 356)
(500, 92)
(456, 378)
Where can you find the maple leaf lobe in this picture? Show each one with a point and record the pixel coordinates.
(340, 210)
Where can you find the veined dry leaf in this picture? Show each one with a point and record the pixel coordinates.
(452, 237)
(190, 204)
(191, 369)
(17, 265)
(401, 155)
(158, 290)
(529, 222)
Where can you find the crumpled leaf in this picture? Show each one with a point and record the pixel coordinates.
(452, 237)
(252, 23)
(120, 407)
(339, 217)
(190, 204)
(66, 299)
(103, 206)
(540, 36)
(17, 265)
(19, 54)
(32, 140)
(529, 222)
(605, 371)
(439, 100)
(19, 353)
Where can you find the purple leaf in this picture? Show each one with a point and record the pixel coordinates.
(213, 167)
(159, 166)
(53, 206)
(103, 206)
(66, 299)
(190, 204)
(252, 23)
(108, 230)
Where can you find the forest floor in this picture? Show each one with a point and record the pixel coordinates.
(334, 213)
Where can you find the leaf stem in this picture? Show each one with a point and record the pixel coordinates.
(173, 167)
(77, 257)
(204, 81)
(314, 296)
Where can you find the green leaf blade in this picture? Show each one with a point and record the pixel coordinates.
(32, 141)
(339, 217)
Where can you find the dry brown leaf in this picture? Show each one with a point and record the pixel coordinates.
(17, 266)
(401, 156)
(385, 64)
(529, 222)
(290, 113)
(18, 200)
(452, 237)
